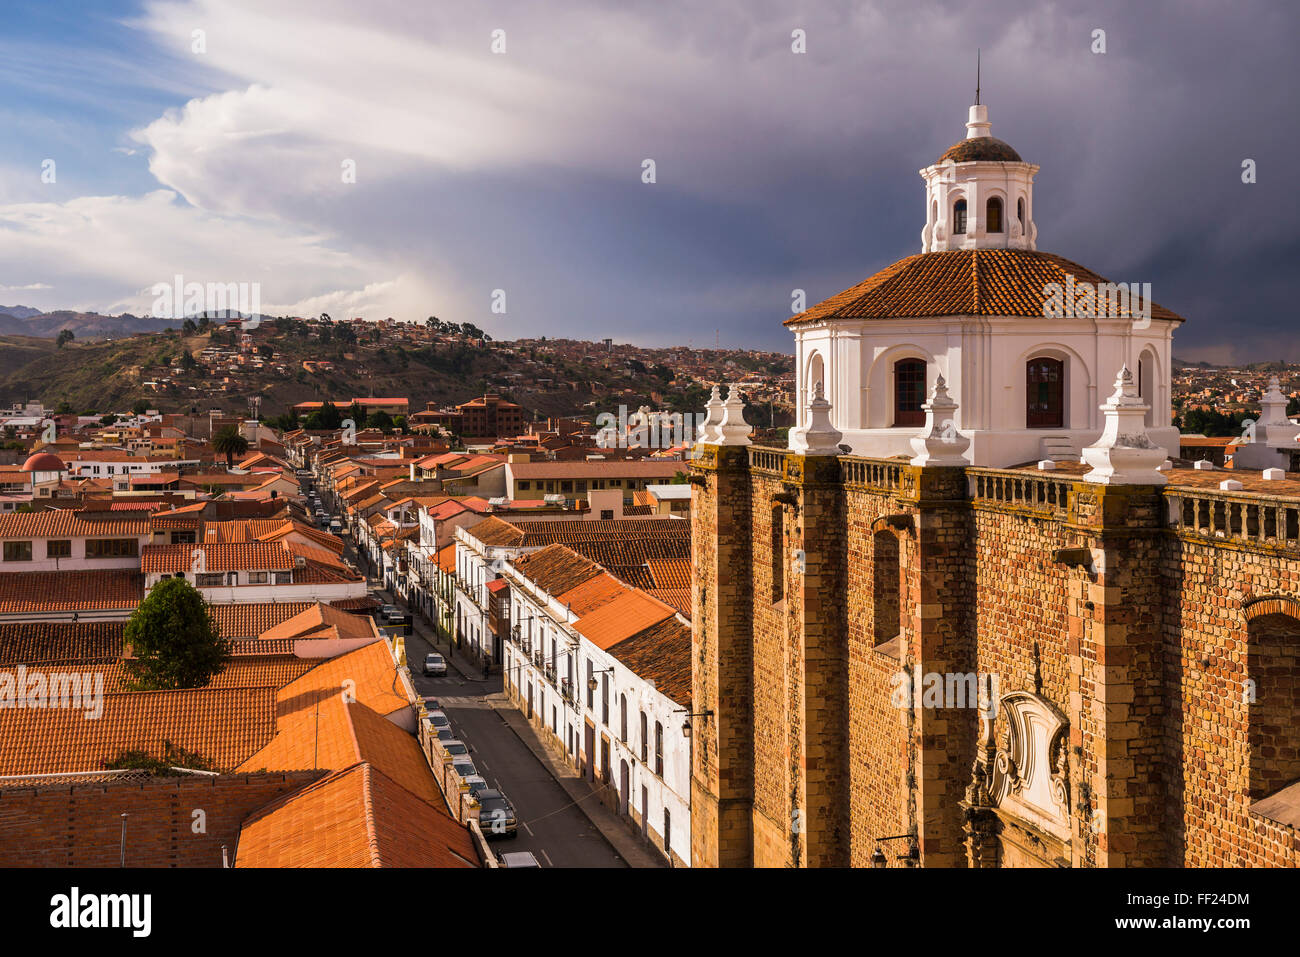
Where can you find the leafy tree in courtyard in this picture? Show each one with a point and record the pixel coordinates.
(229, 442)
(174, 641)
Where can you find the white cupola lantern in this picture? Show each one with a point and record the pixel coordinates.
(980, 194)
(819, 436)
(939, 442)
(1124, 455)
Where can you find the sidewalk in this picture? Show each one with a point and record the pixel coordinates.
(614, 829)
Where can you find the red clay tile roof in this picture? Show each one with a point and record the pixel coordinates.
(493, 531)
(65, 523)
(333, 734)
(222, 725)
(635, 576)
(253, 618)
(356, 817)
(29, 592)
(625, 616)
(242, 671)
(51, 641)
(670, 573)
(963, 282)
(555, 568)
(595, 592)
(661, 653)
(318, 618)
(240, 556)
(678, 598)
(447, 558)
(372, 675)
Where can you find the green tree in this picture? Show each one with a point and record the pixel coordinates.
(189, 327)
(174, 640)
(63, 338)
(140, 407)
(229, 442)
(380, 420)
(108, 419)
(325, 419)
(265, 351)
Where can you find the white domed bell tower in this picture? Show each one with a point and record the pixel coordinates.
(980, 194)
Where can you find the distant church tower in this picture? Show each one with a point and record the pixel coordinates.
(1027, 342)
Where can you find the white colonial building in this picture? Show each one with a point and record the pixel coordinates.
(1028, 343)
(605, 670)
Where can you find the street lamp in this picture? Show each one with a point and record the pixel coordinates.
(686, 722)
(911, 858)
(592, 684)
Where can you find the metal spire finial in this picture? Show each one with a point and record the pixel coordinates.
(977, 76)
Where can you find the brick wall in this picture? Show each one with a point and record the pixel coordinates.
(80, 825)
(1082, 595)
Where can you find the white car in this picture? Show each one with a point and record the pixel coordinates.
(519, 859)
(435, 664)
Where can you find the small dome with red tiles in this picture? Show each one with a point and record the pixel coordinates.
(43, 462)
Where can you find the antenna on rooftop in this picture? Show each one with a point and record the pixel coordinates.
(123, 857)
(977, 76)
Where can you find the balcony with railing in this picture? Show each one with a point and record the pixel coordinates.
(766, 460)
(1243, 517)
(1015, 488)
(863, 472)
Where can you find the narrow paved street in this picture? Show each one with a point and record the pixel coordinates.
(551, 825)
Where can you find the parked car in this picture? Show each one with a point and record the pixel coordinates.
(453, 749)
(476, 784)
(437, 718)
(465, 769)
(390, 615)
(496, 816)
(336, 527)
(519, 859)
(435, 664)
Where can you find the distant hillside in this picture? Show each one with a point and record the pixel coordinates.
(23, 321)
(103, 376)
(19, 312)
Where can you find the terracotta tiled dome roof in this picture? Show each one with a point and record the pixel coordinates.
(43, 462)
(962, 282)
(980, 148)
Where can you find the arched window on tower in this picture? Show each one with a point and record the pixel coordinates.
(778, 553)
(1044, 393)
(886, 592)
(1273, 707)
(1020, 212)
(909, 392)
(959, 217)
(993, 215)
